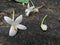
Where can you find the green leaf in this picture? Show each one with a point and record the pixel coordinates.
(22, 1)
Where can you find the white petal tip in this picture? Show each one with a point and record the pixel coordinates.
(24, 28)
(11, 35)
(21, 15)
(27, 14)
(5, 17)
(12, 32)
(26, 10)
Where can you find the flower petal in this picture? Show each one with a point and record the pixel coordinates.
(27, 13)
(19, 19)
(44, 27)
(32, 7)
(12, 32)
(26, 10)
(28, 6)
(20, 26)
(8, 20)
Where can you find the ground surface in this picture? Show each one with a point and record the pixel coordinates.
(34, 35)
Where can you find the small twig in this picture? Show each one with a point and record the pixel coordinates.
(32, 3)
(41, 6)
(50, 10)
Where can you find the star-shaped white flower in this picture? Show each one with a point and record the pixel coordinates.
(32, 8)
(15, 24)
(29, 9)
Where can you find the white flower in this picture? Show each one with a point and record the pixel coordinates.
(29, 9)
(32, 9)
(15, 24)
(44, 27)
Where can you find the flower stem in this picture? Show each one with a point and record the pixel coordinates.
(40, 6)
(13, 14)
(32, 3)
(44, 19)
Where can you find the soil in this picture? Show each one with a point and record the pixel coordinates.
(34, 35)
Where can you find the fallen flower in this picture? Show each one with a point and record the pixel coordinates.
(43, 26)
(29, 9)
(15, 24)
(32, 9)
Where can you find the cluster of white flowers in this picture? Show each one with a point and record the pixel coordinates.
(16, 23)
